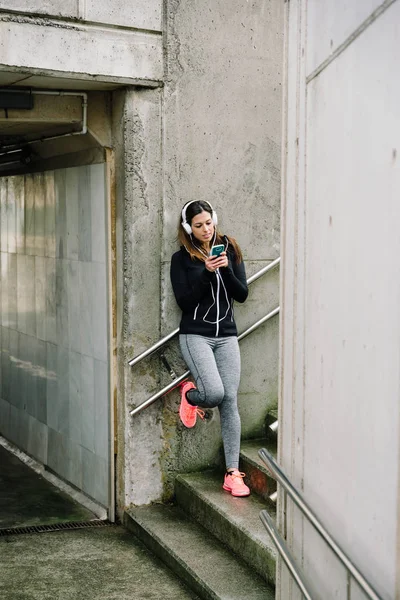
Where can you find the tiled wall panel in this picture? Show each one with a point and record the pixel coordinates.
(54, 400)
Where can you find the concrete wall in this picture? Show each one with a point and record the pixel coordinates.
(340, 326)
(141, 14)
(221, 140)
(212, 132)
(137, 126)
(83, 38)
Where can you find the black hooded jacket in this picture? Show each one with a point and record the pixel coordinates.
(205, 298)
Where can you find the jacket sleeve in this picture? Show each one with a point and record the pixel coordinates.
(234, 276)
(188, 295)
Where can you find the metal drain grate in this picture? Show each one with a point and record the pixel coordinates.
(54, 527)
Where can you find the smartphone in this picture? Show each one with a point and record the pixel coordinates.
(216, 250)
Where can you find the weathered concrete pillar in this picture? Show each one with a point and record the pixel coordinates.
(137, 127)
(340, 342)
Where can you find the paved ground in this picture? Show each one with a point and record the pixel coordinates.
(85, 564)
(26, 498)
(106, 563)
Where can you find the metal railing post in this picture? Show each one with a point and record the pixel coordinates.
(283, 480)
(285, 554)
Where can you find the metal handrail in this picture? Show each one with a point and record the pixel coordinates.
(283, 480)
(134, 361)
(181, 378)
(264, 270)
(153, 348)
(285, 554)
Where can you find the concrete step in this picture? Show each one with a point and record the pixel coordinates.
(199, 560)
(234, 521)
(258, 477)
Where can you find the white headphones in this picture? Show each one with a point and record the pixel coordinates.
(186, 225)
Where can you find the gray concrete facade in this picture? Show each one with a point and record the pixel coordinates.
(222, 144)
(211, 131)
(92, 41)
(339, 400)
(210, 150)
(138, 234)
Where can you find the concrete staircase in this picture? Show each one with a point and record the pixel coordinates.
(214, 542)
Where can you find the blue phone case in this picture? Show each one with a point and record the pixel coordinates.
(216, 250)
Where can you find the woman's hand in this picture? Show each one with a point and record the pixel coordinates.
(216, 262)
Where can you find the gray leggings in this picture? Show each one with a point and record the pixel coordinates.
(215, 366)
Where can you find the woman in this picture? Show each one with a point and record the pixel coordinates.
(205, 288)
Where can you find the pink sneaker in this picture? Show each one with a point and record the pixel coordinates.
(187, 412)
(233, 483)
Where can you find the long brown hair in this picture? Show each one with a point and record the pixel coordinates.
(186, 240)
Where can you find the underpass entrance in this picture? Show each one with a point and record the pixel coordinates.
(55, 376)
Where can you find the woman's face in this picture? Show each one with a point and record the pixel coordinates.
(203, 227)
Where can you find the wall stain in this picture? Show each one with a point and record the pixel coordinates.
(39, 21)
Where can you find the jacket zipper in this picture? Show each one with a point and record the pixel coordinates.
(218, 287)
(195, 312)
